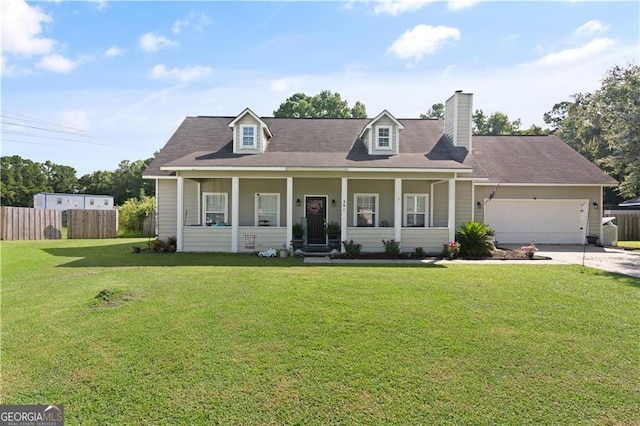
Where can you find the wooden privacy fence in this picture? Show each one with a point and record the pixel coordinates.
(22, 223)
(92, 224)
(628, 222)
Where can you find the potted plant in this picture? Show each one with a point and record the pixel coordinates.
(529, 250)
(451, 249)
(297, 231)
(333, 233)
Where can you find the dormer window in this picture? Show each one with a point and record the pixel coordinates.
(248, 136)
(383, 137)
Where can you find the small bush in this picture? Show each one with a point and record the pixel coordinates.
(352, 248)
(476, 239)
(132, 213)
(419, 253)
(391, 247)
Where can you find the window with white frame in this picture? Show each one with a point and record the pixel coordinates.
(415, 210)
(366, 209)
(248, 133)
(268, 209)
(214, 208)
(383, 137)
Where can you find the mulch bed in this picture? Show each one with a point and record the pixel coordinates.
(501, 254)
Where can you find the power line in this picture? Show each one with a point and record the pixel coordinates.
(13, 132)
(36, 120)
(45, 129)
(36, 143)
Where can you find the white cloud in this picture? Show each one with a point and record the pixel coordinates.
(422, 40)
(590, 28)
(22, 28)
(151, 42)
(100, 4)
(183, 75)
(177, 26)
(10, 70)
(569, 56)
(57, 63)
(462, 4)
(114, 51)
(396, 7)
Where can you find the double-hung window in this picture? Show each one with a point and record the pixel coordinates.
(415, 210)
(248, 134)
(214, 208)
(366, 209)
(268, 209)
(383, 137)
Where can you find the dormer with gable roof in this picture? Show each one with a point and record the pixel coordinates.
(250, 133)
(382, 134)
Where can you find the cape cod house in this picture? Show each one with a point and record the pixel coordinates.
(237, 184)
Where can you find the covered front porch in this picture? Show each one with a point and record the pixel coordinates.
(218, 212)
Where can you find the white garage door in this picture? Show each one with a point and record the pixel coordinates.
(542, 221)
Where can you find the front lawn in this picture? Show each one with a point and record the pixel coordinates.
(122, 338)
(629, 245)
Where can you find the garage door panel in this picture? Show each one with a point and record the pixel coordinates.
(542, 221)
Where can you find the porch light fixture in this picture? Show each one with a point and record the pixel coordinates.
(298, 202)
(595, 205)
(479, 204)
(333, 203)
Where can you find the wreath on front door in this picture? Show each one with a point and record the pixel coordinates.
(314, 207)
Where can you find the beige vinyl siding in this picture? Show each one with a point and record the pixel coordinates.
(431, 240)
(393, 136)
(384, 189)
(464, 207)
(449, 112)
(250, 121)
(591, 193)
(191, 213)
(167, 202)
(265, 237)
(370, 238)
(331, 188)
(464, 120)
(207, 239)
(440, 204)
(248, 190)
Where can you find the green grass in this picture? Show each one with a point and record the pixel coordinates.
(633, 245)
(122, 338)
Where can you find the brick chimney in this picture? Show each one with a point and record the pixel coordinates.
(458, 118)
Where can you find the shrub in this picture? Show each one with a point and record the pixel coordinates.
(132, 213)
(352, 248)
(419, 252)
(391, 247)
(476, 239)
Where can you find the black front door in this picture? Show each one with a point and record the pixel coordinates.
(316, 217)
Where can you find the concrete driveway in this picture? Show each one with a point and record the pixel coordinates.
(607, 259)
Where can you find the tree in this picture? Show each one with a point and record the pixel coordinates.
(20, 180)
(436, 111)
(60, 178)
(127, 181)
(323, 105)
(496, 124)
(605, 127)
(98, 183)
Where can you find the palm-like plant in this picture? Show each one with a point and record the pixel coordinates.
(476, 239)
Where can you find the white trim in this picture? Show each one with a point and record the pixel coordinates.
(389, 137)
(344, 194)
(315, 169)
(378, 117)
(376, 212)
(263, 125)
(289, 209)
(199, 198)
(204, 206)
(241, 144)
(544, 184)
(235, 212)
(397, 210)
(256, 212)
(180, 213)
(158, 177)
(427, 216)
(451, 221)
(155, 213)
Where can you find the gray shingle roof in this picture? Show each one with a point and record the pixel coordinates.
(325, 143)
(534, 159)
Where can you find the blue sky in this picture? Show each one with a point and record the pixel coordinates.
(112, 80)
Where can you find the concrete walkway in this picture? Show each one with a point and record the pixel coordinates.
(607, 259)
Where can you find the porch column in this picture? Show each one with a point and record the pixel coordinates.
(397, 209)
(289, 211)
(452, 210)
(180, 213)
(235, 212)
(343, 213)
